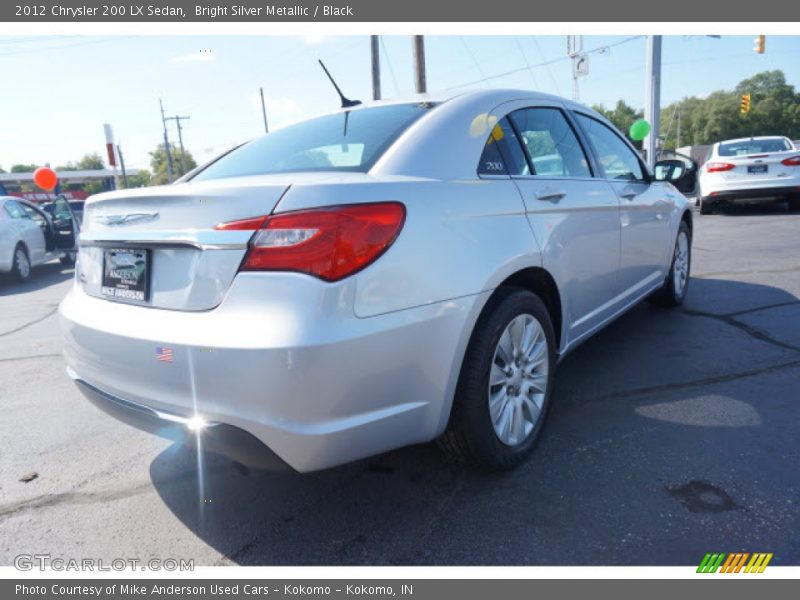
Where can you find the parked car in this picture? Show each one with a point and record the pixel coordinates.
(751, 170)
(30, 236)
(381, 276)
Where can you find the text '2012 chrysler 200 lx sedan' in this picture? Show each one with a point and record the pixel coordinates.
(381, 276)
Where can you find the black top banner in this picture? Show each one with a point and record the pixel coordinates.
(397, 11)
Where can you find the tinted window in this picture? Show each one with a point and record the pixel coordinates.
(502, 154)
(550, 143)
(347, 141)
(34, 214)
(617, 159)
(14, 210)
(745, 147)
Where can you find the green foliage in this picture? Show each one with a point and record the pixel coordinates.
(158, 163)
(89, 162)
(24, 168)
(141, 179)
(774, 110)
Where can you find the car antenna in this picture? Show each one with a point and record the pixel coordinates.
(346, 102)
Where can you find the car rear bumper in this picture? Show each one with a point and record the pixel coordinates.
(760, 194)
(296, 370)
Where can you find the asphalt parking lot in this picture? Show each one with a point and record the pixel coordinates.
(673, 433)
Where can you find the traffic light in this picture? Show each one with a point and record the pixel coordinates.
(760, 44)
(744, 107)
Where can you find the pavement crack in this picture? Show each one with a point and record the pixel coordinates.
(48, 500)
(753, 332)
(49, 314)
(760, 308)
(31, 357)
(698, 382)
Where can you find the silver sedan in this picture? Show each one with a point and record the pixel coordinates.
(381, 276)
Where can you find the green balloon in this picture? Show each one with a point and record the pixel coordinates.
(639, 130)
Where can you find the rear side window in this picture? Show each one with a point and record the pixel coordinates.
(745, 147)
(351, 140)
(502, 154)
(617, 159)
(550, 143)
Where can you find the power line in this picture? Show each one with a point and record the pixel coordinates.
(527, 63)
(472, 56)
(546, 63)
(389, 64)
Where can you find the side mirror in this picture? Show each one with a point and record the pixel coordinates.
(669, 170)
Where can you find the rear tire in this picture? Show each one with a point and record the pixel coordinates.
(677, 283)
(68, 259)
(794, 204)
(504, 388)
(21, 265)
(705, 207)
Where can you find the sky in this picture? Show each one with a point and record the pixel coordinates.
(58, 91)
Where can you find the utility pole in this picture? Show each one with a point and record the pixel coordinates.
(122, 166)
(678, 135)
(419, 64)
(263, 109)
(170, 172)
(652, 107)
(376, 67)
(178, 120)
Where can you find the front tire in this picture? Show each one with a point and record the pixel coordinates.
(677, 284)
(504, 388)
(794, 204)
(21, 266)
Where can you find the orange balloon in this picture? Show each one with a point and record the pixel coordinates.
(45, 178)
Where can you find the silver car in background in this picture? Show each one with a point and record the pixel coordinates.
(381, 276)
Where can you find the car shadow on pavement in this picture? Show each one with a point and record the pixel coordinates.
(672, 432)
(41, 277)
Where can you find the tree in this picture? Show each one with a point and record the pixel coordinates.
(774, 110)
(180, 164)
(21, 168)
(141, 179)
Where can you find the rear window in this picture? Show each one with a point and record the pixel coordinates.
(745, 147)
(351, 140)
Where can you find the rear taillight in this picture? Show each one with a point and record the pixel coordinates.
(715, 167)
(794, 161)
(330, 243)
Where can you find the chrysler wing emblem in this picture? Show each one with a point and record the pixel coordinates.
(127, 219)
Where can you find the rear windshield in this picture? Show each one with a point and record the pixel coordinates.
(352, 140)
(745, 147)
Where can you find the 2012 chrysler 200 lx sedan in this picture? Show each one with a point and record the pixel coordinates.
(377, 277)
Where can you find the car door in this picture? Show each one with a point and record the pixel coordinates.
(573, 214)
(30, 231)
(44, 240)
(645, 209)
(65, 225)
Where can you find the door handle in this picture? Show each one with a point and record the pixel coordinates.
(550, 194)
(628, 195)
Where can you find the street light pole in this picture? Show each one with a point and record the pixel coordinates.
(652, 107)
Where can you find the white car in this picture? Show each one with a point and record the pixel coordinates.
(751, 170)
(29, 236)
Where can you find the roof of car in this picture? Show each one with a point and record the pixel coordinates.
(755, 137)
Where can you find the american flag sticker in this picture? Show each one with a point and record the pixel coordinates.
(163, 354)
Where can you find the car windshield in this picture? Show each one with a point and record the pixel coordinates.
(351, 140)
(754, 146)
